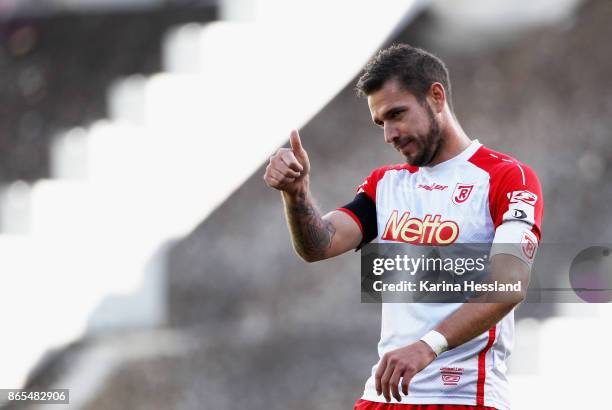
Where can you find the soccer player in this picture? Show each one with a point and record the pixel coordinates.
(442, 355)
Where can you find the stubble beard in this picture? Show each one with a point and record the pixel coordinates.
(429, 145)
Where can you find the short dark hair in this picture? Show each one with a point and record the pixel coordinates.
(415, 69)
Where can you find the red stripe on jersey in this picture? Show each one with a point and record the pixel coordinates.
(482, 371)
(352, 215)
(507, 175)
(371, 182)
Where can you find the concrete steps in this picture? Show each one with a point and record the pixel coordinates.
(176, 145)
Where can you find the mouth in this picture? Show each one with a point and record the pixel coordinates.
(407, 146)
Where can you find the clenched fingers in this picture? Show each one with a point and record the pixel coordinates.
(288, 158)
(284, 169)
(278, 176)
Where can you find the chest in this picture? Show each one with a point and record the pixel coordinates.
(434, 209)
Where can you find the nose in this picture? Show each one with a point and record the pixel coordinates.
(391, 133)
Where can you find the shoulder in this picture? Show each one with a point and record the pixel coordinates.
(378, 173)
(501, 166)
(370, 183)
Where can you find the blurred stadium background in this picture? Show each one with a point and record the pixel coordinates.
(144, 263)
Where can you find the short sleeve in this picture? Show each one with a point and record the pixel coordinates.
(516, 196)
(517, 209)
(363, 207)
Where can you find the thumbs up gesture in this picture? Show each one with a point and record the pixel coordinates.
(289, 167)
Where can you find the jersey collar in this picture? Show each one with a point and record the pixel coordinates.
(463, 156)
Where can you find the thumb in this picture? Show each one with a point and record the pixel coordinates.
(296, 143)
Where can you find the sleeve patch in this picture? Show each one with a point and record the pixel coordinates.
(524, 196)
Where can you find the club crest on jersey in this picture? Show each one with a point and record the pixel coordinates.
(529, 245)
(526, 197)
(431, 230)
(462, 193)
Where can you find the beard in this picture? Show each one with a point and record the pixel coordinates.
(427, 146)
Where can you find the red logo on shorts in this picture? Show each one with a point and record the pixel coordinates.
(462, 193)
(451, 375)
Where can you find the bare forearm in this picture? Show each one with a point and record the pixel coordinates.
(310, 233)
(471, 320)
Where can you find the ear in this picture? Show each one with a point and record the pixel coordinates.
(437, 97)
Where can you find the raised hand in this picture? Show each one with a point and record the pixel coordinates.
(289, 167)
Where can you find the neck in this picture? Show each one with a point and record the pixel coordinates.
(454, 143)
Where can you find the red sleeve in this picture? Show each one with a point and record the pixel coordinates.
(368, 186)
(363, 207)
(516, 195)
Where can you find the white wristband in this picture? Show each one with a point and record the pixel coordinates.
(436, 341)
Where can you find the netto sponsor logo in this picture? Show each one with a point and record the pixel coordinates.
(431, 230)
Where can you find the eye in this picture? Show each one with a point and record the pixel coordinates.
(395, 114)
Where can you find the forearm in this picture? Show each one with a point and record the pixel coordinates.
(474, 318)
(471, 320)
(310, 233)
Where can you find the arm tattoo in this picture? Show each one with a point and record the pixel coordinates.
(311, 234)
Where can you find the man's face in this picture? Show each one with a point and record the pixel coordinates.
(408, 125)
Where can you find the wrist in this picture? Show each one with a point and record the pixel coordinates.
(300, 193)
(436, 341)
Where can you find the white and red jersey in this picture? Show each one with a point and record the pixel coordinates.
(479, 196)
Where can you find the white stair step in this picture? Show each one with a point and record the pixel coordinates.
(15, 208)
(68, 156)
(179, 46)
(126, 99)
(46, 298)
